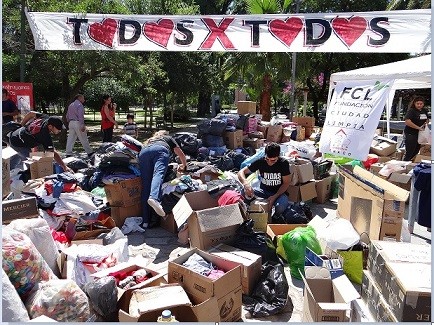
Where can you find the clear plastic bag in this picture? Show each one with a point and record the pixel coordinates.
(424, 136)
(103, 295)
(61, 300)
(22, 262)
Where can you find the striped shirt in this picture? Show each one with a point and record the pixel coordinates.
(130, 129)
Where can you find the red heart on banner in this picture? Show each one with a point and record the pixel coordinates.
(286, 31)
(159, 32)
(104, 32)
(349, 30)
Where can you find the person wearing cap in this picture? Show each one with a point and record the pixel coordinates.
(36, 130)
(76, 126)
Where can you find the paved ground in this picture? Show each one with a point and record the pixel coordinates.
(158, 245)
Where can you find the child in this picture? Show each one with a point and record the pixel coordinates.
(130, 128)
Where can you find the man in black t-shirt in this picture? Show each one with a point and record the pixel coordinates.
(274, 177)
(415, 120)
(9, 109)
(36, 130)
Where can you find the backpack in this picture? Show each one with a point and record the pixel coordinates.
(34, 127)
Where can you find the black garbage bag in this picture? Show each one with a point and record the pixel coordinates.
(210, 140)
(223, 163)
(188, 142)
(103, 295)
(271, 293)
(8, 128)
(294, 214)
(76, 164)
(256, 242)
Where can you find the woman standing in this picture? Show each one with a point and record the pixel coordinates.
(107, 119)
(415, 120)
(153, 162)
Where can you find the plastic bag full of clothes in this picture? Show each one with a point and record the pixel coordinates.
(103, 295)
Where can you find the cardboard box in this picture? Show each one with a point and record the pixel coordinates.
(208, 224)
(246, 107)
(40, 164)
(199, 285)
(124, 193)
(301, 133)
(169, 223)
(109, 223)
(309, 131)
(425, 150)
(383, 252)
(274, 133)
(410, 167)
(234, 139)
(419, 158)
(7, 154)
(302, 192)
(19, 209)
(260, 217)
(274, 230)
(383, 160)
(156, 278)
(305, 121)
(254, 143)
(323, 188)
(401, 180)
(302, 170)
(326, 299)
(331, 260)
(119, 214)
(407, 289)
(250, 264)
(382, 146)
(377, 306)
(260, 203)
(360, 312)
(208, 175)
(375, 168)
(371, 203)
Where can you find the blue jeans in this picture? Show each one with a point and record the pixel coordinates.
(153, 163)
(281, 203)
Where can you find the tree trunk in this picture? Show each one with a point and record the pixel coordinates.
(203, 104)
(265, 99)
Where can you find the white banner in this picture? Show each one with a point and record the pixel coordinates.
(389, 31)
(352, 117)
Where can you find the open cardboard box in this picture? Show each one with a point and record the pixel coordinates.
(199, 285)
(326, 299)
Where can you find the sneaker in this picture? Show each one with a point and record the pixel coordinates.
(157, 207)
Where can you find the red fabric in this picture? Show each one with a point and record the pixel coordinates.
(229, 197)
(372, 159)
(59, 236)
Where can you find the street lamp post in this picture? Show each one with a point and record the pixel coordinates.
(294, 61)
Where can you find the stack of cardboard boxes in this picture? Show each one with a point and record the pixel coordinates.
(302, 186)
(124, 198)
(397, 284)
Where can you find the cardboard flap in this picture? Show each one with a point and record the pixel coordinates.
(344, 290)
(191, 202)
(219, 217)
(8, 152)
(391, 191)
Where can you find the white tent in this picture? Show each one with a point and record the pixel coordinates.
(408, 74)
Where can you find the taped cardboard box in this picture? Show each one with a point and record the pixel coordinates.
(383, 252)
(119, 214)
(274, 133)
(19, 209)
(7, 154)
(302, 170)
(377, 305)
(40, 164)
(254, 143)
(401, 180)
(407, 288)
(259, 204)
(246, 107)
(124, 193)
(365, 200)
(250, 264)
(208, 224)
(199, 285)
(233, 139)
(169, 223)
(326, 299)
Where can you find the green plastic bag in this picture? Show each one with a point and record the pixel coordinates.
(338, 160)
(295, 243)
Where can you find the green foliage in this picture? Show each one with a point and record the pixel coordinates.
(180, 114)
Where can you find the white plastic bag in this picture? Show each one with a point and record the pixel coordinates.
(13, 309)
(405, 232)
(424, 136)
(132, 224)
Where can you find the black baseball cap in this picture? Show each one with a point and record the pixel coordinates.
(56, 122)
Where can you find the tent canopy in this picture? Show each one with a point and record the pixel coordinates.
(408, 74)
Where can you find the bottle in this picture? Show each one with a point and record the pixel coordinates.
(166, 317)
